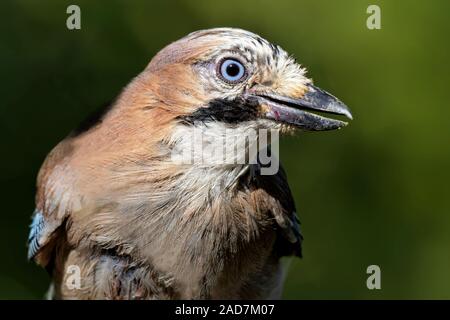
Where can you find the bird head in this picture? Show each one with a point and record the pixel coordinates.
(232, 76)
(231, 79)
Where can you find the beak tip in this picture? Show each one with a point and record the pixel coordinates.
(324, 101)
(348, 115)
(344, 110)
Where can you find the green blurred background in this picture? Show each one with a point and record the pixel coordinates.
(376, 192)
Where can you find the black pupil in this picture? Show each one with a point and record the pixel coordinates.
(233, 69)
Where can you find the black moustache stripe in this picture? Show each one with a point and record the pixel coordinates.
(223, 110)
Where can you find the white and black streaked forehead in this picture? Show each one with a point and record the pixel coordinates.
(271, 65)
(251, 46)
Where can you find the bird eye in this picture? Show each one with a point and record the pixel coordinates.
(231, 71)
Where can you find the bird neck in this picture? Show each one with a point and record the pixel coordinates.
(219, 145)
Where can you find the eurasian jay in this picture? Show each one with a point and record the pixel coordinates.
(114, 202)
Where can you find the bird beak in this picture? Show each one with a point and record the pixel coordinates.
(296, 112)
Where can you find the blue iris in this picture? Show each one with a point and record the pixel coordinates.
(232, 70)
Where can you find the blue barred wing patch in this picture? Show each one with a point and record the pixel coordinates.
(36, 227)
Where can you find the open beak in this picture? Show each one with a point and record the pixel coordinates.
(297, 112)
